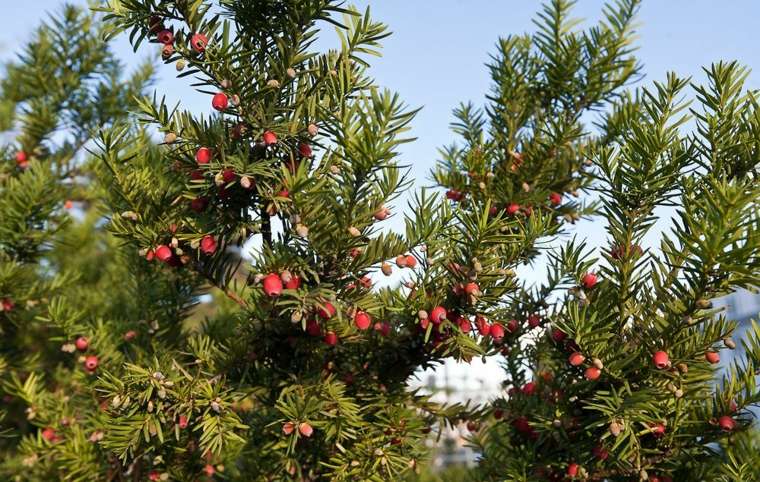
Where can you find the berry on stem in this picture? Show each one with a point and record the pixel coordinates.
(208, 244)
(592, 373)
(331, 338)
(304, 149)
(199, 42)
(497, 332)
(484, 328)
(576, 359)
(91, 363)
(203, 155)
(589, 280)
(166, 36)
(272, 285)
(22, 160)
(269, 138)
(438, 314)
(726, 423)
(305, 429)
(362, 320)
(220, 101)
(411, 261)
(164, 253)
(327, 311)
(82, 343)
(712, 357)
(661, 360)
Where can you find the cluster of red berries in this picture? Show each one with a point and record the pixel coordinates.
(172, 255)
(302, 428)
(91, 361)
(592, 372)
(165, 36)
(273, 286)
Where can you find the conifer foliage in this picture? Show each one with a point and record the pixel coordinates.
(620, 383)
(196, 297)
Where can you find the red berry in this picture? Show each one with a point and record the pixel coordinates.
(589, 280)
(220, 101)
(661, 360)
(558, 335)
(199, 42)
(272, 284)
(7, 304)
(228, 175)
(383, 328)
(82, 343)
(204, 155)
(313, 328)
(305, 429)
(284, 193)
(592, 373)
(327, 311)
(576, 359)
(712, 357)
(555, 198)
(130, 335)
(183, 421)
(726, 423)
(208, 244)
(293, 283)
(269, 138)
(498, 414)
(601, 453)
(331, 338)
(484, 328)
(513, 209)
(199, 204)
(304, 149)
(497, 331)
(464, 324)
(209, 470)
(411, 261)
(512, 326)
(529, 389)
(572, 470)
(22, 160)
(154, 476)
(91, 363)
(166, 37)
(196, 175)
(522, 425)
(49, 434)
(658, 430)
(362, 320)
(438, 314)
(288, 428)
(534, 320)
(164, 253)
(472, 288)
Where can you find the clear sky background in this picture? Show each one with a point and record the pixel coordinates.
(436, 57)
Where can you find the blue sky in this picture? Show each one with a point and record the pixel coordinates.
(436, 57)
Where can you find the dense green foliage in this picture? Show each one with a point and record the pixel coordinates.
(192, 296)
